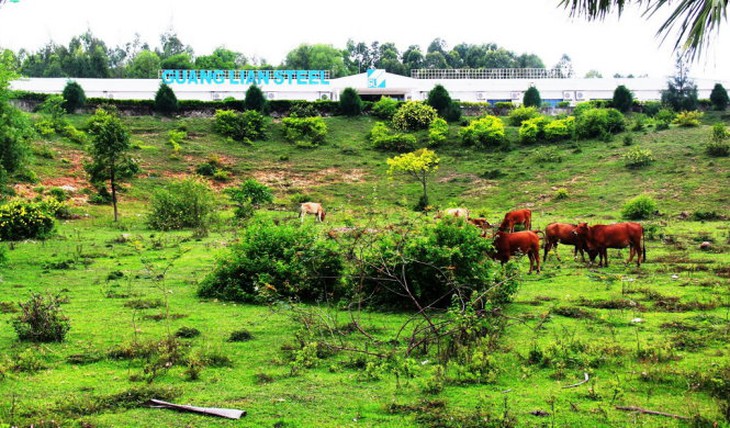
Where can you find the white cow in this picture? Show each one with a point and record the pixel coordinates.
(314, 208)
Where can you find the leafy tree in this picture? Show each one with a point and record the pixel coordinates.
(15, 129)
(719, 97)
(532, 98)
(144, 65)
(623, 99)
(316, 57)
(74, 97)
(165, 100)
(565, 66)
(417, 165)
(593, 74)
(681, 92)
(255, 99)
(171, 45)
(221, 59)
(440, 99)
(697, 20)
(350, 102)
(181, 61)
(109, 147)
(413, 58)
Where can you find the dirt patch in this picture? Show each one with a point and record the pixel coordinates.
(283, 178)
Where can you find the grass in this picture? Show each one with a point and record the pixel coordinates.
(647, 337)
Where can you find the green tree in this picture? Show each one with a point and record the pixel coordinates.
(593, 74)
(109, 147)
(255, 99)
(532, 98)
(74, 97)
(439, 98)
(417, 165)
(181, 61)
(165, 100)
(681, 92)
(144, 65)
(719, 97)
(317, 57)
(15, 129)
(623, 99)
(221, 59)
(350, 102)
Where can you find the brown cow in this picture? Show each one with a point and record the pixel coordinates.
(600, 237)
(314, 208)
(562, 233)
(525, 242)
(481, 223)
(512, 218)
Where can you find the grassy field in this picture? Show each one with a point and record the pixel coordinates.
(654, 337)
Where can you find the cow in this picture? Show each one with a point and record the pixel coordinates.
(600, 237)
(562, 233)
(454, 212)
(481, 223)
(512, 218)
(314, 208)
(526, 242)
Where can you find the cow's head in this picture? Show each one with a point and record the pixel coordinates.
(581, 229)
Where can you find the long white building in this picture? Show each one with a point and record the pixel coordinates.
(310, 85)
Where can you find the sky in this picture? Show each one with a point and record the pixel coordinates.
(269, 30)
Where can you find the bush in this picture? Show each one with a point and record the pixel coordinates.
(548, 154)
(560, 129)
(533, 129)
(41, 320)
(246, 127)
(25, 220)
(385, 108)
(719, 97)
(651, 108)
(271, 262)
(383, 138)
(438, 132)
(639, 208)
(597, 122)
(255, 100)
(485, 131)
(718, 145)
(688, 119)
(308, 129)
(165, 100)
(638, 157)
(187, 203)
(532, 98)
(623, 99)
(248, 196)
(350, 102)
(414, 116)
(521, 114)
(74, 97)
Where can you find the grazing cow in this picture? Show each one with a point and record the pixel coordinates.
(481, 223)
(512, 218)
(454, 212)
(314, 208)
(600, 237)
(525, 242)
(562, 233)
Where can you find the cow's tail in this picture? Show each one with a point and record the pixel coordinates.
(643, 246)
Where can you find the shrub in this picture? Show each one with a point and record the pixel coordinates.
(623, 99)
(309, 129)
(302, 109)
(597, 122)
(277, 262)
(248, 196)
(413, 116)
(385, 108)
(719, 97)
(246, 127)
(165, 100)
(547, 154)
(350, 102)
(187, 203)
(718, 145)
(383, 138)
(438, 131)
(41, 320)
(521, 114)
(638, 157)
(639, 208)
(74, 97)
(255, 100)
(532, 98)
(561, 194)
(485, 131)
(53, 107)
(25, 220)
(688, 119)
(665, 115)
(560, 129)
(651, 108)
(533, 129)
(175, 137)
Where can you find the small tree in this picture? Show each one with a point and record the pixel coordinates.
(74, 97)
(719, 97)
(350, 102)
(165, 100)
(41, 320)
(109, 147)
(681, 92)
(417, 165)
(255, 99)
(249, 196)
(623, 99)
(15, 130)
(532, 98)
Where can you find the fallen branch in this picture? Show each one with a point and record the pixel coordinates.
(214, 411)
(579, 383)
(650, 412)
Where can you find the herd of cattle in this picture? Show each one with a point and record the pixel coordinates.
(595, 240)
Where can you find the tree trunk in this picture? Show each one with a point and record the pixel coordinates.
(114, 194)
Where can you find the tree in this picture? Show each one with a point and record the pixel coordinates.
(144, 65)
(221, 59)
(565, 66)
(110, 144)
(439, 98)
(15, 129)
(623, 99)
(719, 97)
(255, 99)
(317, 57)
(74, 97)
(165, 100)
(593, 74)
(681, 92)
(532, 98)
(350, 102)
(417, 165)
(696, 20)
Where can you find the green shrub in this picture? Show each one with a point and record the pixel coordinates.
(175, 138)
(533, 129)
(248, 196)
(350, 102)
(561, 194)
(302, 109)
(246, 127)
(597, 122)
(383, 138)
(560, 129)
(639, 208)
(385, 108)
(719, 97)
(41, 320)
(272, 262)
(255, 100)
(521, 114)
(438, 132)
(623, 99)
(165, 100)
(651, 108)
(485, 131)
(25, 220)
(718, 145)
(638, 157)
(308, 129)
(532, 98)
(187, 203)
(74, 135)
(414, 116)
(665, 115)
(74, 97)
(53, 108)
(688, 119)
(548, 154)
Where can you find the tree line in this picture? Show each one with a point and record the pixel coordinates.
(90, 57)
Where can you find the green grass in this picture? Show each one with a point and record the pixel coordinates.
(668, 327)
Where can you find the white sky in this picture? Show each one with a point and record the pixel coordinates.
(270, 29)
